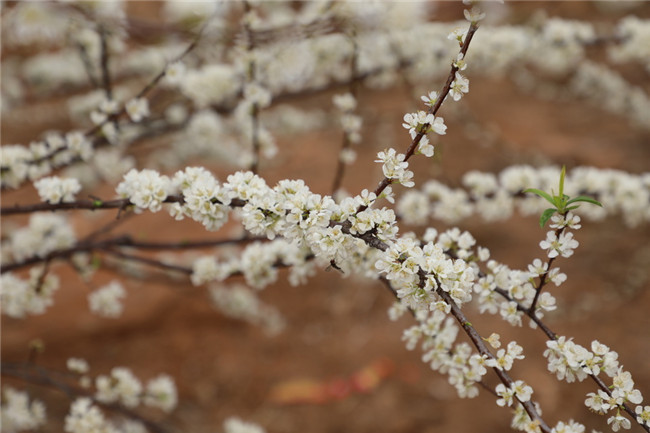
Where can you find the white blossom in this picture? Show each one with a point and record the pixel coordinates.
(559, 245)
(106, 301)
(84, 417)
(137, 109)
(22, 297)
(18, 413)
(77, 365)
(121, 386)
(236, 425)
(161, 393)
(459, 86)
(146, 189)
(57, 190)
(394, 167)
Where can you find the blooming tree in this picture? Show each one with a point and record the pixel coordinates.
(184, 117)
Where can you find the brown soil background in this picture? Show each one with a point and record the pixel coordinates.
(337, 326)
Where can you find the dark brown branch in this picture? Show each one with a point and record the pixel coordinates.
(108, 246)
(477, 341)
(432, 110)
(106, 83)
(182, 245)
(88, 67)
(505, 378)
(56, 254)
(553, 336)
(353, 89)
(147, 261)
(543, 279)
(96, 204)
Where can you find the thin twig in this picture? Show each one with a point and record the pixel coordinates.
(122, 241)
(96, 204)
(104, 66)
(88, 67)
(353, 89)
(432, 110)
(543, 279)
(505, 378)
(148, 261)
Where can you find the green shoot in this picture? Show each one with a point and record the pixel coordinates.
(561, 202)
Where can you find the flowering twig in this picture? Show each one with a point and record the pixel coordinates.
(44, 377)
(432, 110)
(543, 278)
(483, 350)
(108, 245)
(551, 335)
(478, 342)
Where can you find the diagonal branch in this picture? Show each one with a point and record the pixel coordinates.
(432, 110)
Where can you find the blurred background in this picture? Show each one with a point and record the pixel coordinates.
(337, 334)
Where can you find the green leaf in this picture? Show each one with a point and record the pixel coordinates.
(97, 203)
(542, 194)
(562, 175)
(546, 215)
(585, 199)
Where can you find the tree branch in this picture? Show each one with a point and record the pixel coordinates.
(43, 377)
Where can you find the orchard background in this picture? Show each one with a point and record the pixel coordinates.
(303, 378)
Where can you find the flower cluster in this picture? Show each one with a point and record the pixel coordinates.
(137, 109)
(239, 302)
(20, 297)
(608, 89)
(496, 196)
(556, 46)
(395, 167)
(123, 387)
(563, 245)
(506, 357)
(18, 413)
(146, 189)
(434, 276)
(418, 272)
(44, 233)
(459, 87)
(634, 33)
(204, 200)
(570, 361)
(519, 390)
(423, 122)
(258, 264)
(105, 301)
(161, 393)
(236, 425)
(351, 124)
(437, 333)
(57, 190)
(85, 417)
